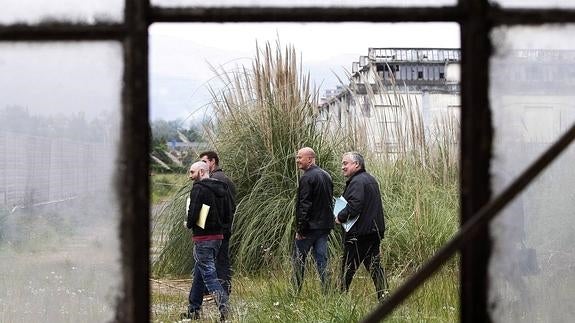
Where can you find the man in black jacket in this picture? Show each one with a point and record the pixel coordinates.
(223, 261)
(314, 217)
(207, 234)
(361, 242)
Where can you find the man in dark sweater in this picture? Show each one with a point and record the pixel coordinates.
(314, 217)
(207, 233)
(361, 242)
(223, 262)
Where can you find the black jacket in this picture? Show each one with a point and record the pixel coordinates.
(314, 205)
(363, 200)
(220, 175)
(213, 193)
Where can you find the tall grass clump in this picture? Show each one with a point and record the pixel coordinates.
(267, 111)
(171, 252)
(261, 117)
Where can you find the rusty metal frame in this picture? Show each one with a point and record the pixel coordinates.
(476, 18)
(133, 304)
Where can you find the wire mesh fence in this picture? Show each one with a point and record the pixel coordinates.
(38, 170)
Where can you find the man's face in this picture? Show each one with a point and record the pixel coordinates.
(194, 174)
(348, 166)
(211, 163)
(303, 160)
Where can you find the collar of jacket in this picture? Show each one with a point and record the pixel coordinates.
(356, 173)
(217, 170)
(312, 166)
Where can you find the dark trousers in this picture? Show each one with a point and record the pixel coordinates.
(358, 250)
(316, 239)
(224, 265)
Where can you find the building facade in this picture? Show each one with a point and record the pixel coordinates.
(398, 99)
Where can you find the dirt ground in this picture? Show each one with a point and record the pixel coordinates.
(170, 301)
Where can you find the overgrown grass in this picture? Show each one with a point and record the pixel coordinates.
(269, 298)
(171, 240)
(263, 116)
(163, 186)
(421, 213)
(59, 263)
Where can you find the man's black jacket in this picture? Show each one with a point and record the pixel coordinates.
(215, 194)
(221, 176)
(363, 200)
(314, 206)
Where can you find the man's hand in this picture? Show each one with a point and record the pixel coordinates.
(299, 236)
(337, 220)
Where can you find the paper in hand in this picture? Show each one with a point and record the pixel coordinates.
(203, 216)
(339, 204)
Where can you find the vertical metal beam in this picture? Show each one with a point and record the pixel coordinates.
(475, 153)
(133, 183)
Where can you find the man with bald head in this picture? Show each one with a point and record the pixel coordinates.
(314, 217)
(207, 238)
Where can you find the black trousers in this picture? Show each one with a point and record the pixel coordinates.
(224, 265)
(358, 250)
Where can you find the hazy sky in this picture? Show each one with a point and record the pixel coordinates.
(34, 11)
(180, 54)
(62, 78)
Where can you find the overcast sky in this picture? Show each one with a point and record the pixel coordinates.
(62, 78)
(180, 54)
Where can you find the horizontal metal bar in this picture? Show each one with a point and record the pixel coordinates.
(74, 31)
(496, 14)
(501, 16)
(469, 230)
(304, 14)
(62, 31)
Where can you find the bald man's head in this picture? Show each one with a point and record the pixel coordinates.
(198, 171)
(305, 158)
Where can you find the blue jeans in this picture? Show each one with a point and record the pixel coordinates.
(205, 277)
(316, 239)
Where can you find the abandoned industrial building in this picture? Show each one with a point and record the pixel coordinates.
(394, 92)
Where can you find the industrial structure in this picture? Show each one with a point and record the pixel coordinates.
(397, 97)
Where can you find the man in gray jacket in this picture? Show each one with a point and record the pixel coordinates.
(361, 242)
(223, 260)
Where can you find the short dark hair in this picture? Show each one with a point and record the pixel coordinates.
(211, 155)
